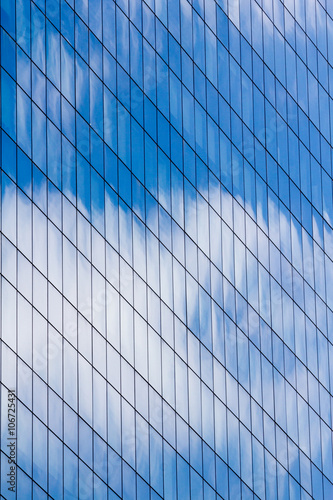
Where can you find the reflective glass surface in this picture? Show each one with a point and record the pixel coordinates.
(166, 249)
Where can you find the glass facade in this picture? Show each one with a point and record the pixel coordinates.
(166, 249)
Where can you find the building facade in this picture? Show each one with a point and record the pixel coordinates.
(166, 249)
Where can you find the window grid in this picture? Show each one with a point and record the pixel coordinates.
(294, 279)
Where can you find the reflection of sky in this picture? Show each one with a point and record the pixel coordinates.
(233, 352)
(234, 349)
(89, 93)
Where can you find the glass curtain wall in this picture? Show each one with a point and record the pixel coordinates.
(166, 249)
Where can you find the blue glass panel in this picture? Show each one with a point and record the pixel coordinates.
(8, 17)
(138, 198)
(148, 25)
(111, 169)
(198, 41)
(24, 71)
(225, 162)
(83, 185)
(183, 478)
(163, 127)
(211, 56)
(24, 172)
(129, 483)
(125, 190)
(38, 38)
(82, 10)
(114, 470)
(123, 87)
(54, 154)
(53, 12)
(8, 104)
(40, 454)
(23, 26)
(95, 17)
(81, 38)
(162, 87)
(96, 152)
(176, 149)
(110, 120)
(68, 165)
(68, 120)
(151, 165)
(169, 471)
(109, 67)
(56, 466)
(150, 118)
(196, 484)
(97, 201)
(137, 103)
(95, 54)
(8, 158)
(135, 13)
(8, 56)
(24, 484)
(142, 489)
(174, 56)
(24, 121)
(162, 40)
(67, 22)
(317, 482)
(82, 88)
(122, 39)
(67, 71)
(123, 122)
(109, 32)
(39, 189)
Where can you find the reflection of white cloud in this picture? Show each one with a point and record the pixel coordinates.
(94, 298)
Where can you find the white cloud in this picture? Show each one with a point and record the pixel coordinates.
(103, 299)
